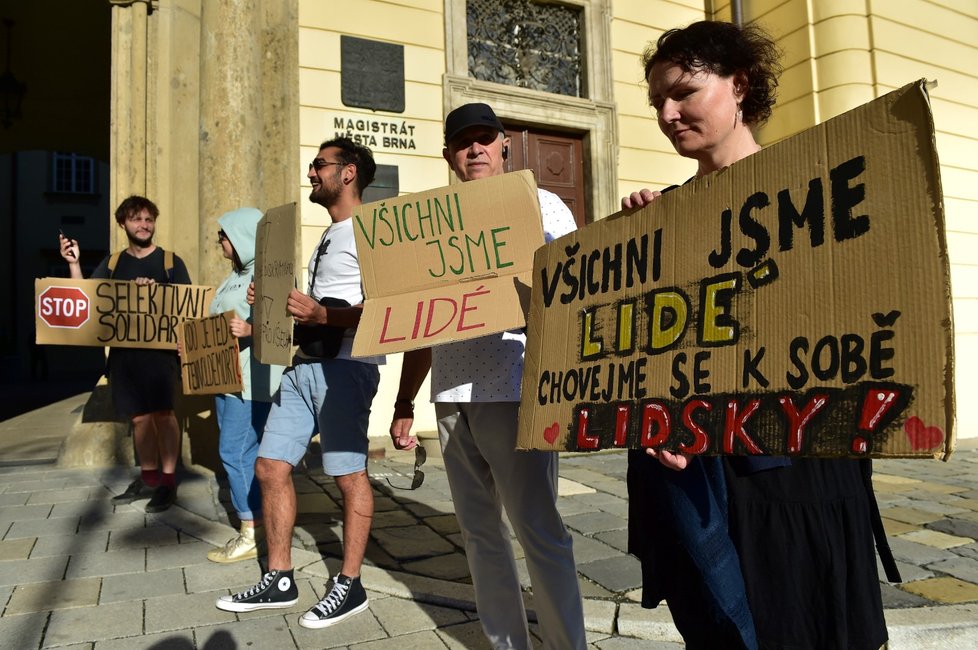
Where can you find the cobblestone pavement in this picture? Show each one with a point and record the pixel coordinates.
(77, 572)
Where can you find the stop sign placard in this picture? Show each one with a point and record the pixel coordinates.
(63, 307)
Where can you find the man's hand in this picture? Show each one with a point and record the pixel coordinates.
(239, 328)
(639, 199)
(145, 281)
(69, 249)
(305, 310)
(401, 426)
(251, 294)
(72, 254)
(413, 371)
(668, 459)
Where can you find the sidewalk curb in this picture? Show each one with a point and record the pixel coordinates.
(923, 628)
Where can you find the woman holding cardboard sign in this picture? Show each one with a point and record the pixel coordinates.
(748, 552)
(241, 416)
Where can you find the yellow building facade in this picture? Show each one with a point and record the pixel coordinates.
(837, 54)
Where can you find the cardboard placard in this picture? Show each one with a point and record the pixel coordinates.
(209, 360)
(275, 277)
(795, 303)
(448, 264)
(115, 313)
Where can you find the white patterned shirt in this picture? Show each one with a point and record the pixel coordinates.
(490, 368)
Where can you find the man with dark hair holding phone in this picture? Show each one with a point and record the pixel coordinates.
(142, 381)
(475, 385)
(324, 390)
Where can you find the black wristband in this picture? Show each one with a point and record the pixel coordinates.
(404, 402)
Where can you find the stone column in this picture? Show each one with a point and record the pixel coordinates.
(230, 120)
(174, 113)
(127, 139)
(280, 83)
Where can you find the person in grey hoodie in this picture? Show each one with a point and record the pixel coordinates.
(241, 416)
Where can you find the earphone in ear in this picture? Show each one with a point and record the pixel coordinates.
(505, 153)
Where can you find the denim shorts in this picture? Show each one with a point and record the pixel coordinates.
(330, 397)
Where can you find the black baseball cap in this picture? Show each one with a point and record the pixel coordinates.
(469, 115)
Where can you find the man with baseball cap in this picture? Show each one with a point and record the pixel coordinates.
(475, 386)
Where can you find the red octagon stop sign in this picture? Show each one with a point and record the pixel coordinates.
(63, 307)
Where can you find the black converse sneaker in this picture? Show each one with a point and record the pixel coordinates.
(276, 589)
(345, 599)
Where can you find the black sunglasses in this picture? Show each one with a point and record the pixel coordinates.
(420, 456)
(221, 236)
(319, 163)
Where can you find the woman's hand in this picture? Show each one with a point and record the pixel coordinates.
(668, 459)
(639, 199)
(240, 328)
(251, 293)
(145, 281)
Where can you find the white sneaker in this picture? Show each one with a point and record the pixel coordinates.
(275, 590)
(345, 599)
(243, 546)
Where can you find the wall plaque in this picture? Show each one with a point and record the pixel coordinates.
(372, 74)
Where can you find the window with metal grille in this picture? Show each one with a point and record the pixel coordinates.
(73, 174)
(526, 44)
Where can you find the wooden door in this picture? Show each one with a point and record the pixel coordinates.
(557, 160)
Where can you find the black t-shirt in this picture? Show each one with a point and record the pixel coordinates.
(151, 266)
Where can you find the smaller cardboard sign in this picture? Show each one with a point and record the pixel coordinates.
(209, 359)
(115, 313)
(275, 277)
(448, 264)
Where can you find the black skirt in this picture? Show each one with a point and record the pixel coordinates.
(805, 539)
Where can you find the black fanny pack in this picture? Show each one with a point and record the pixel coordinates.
(321, 341)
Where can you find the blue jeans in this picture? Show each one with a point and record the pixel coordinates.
(678, 529)
(698, 496)
(241, 422)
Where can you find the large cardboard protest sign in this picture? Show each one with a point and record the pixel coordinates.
(115, 313)
(795, 303)
(275, 276)
(209, 356)
(448, 264)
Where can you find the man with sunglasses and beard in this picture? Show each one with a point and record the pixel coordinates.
(142, 381)
(475, 385)
(324, 390)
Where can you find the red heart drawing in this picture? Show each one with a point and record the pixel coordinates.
(922, 436)
(550, 433)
